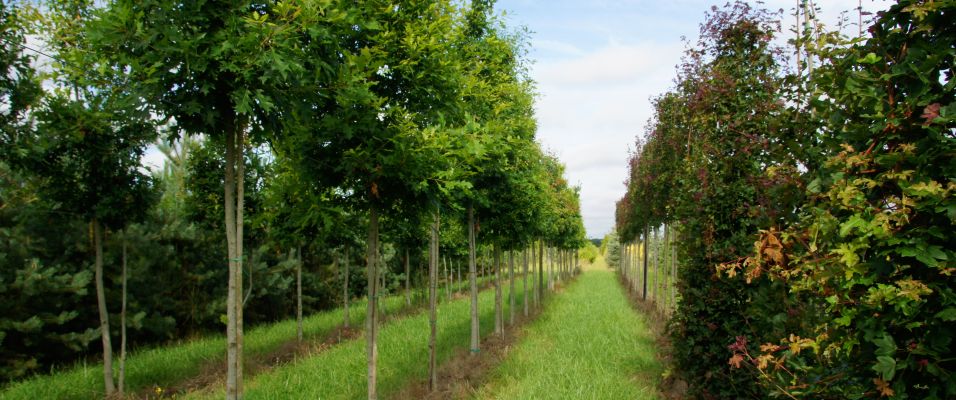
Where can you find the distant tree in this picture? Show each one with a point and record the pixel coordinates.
(611, 249)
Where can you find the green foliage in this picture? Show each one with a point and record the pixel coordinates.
(703, 167)
(589, 253)
(19, 86)
(337, 105)
(825, 207)
(872, 254)
(611, 246)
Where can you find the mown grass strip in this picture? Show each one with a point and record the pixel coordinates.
(587, 344)
(169, 365)
(340, 372)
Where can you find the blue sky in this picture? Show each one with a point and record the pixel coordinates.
(597, 64)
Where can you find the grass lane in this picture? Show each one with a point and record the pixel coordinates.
(340, 372)
(587, 344)
(169, 365)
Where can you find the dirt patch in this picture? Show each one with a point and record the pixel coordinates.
(670, 387)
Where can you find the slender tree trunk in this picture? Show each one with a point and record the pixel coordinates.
(101, 306)
(448, 278)
(474, 282)
(540, 296)
(230, 210)
(622, 259)
(298, 295)
(345, 287)
(381, 269)
(644, 280)
(551, 268)
(499, 315)
(657, 262)
(408, 278)
(673, 251)
(371, 315)
(240, 201)
(432, 302)
(122, 360)
(534, 275)
(524, 288)
(511, 293)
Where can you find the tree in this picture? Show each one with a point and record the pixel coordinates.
(225, 72)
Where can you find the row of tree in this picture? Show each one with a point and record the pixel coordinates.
(813, 207)
(321, 119)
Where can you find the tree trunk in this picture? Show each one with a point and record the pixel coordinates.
(298, 295)
(371, 315)
(475, 335)
(551, 268)
(665, 293)
(444, 263)
(534, 275)
(644, 280)
(101, 305)
(240, 201)
(525, 288)
(122, 360)
(622, 258)
(433, 302)
(408, 278)
(673, 251)
(499, 315)
(655, 262)
(511, 292)
(540, 295)
(230, 210)
(345, 287)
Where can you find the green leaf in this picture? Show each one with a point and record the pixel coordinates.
(885, 345)
(886, 367)
(870, 58)
(854, 222)
(948, 315)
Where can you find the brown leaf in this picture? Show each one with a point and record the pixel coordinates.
(930, 113)
(736, 360)
(883, 387)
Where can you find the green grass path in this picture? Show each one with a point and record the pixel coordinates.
(587, 344)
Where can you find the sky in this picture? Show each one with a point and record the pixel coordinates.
(598, 64)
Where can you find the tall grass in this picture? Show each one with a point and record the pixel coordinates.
(587, 344)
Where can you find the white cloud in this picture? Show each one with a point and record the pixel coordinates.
(554, 46)
(591, 108)
(613, 64)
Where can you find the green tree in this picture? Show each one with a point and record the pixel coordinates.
(223, 71)
(871, 256)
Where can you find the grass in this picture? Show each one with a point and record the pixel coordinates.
(340, 372)
(588, 343)
(169, 365)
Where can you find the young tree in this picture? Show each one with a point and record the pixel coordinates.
(223, 71)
